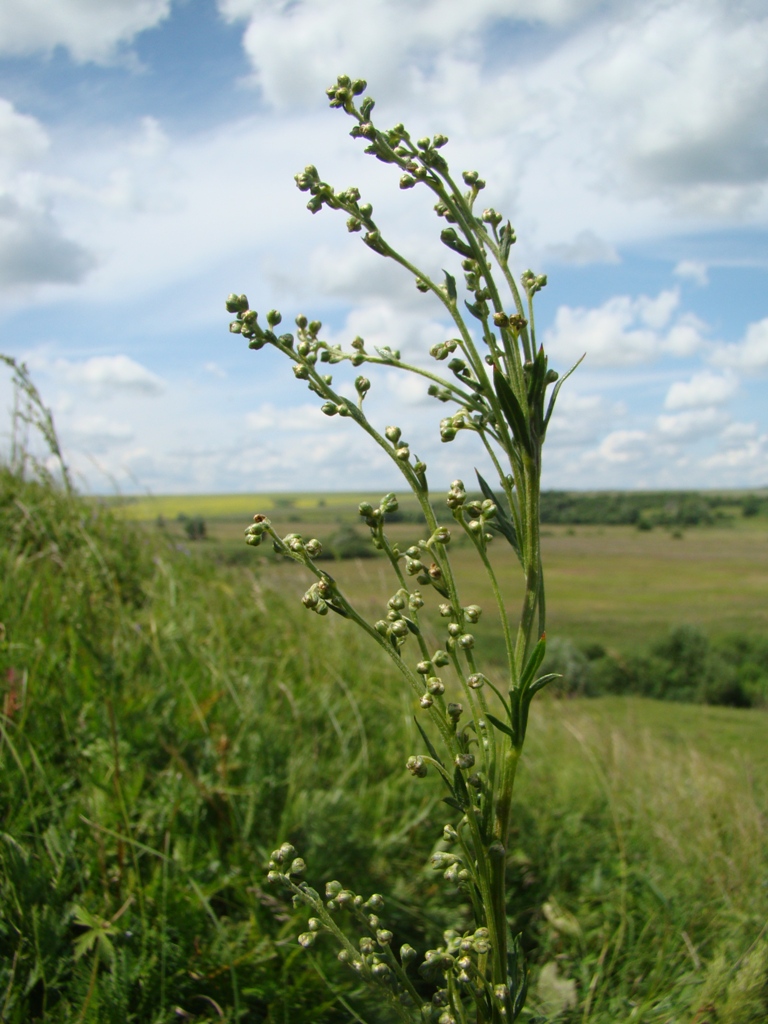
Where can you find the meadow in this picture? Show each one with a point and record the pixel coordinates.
(169, 717)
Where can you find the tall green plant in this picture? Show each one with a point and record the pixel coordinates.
(497, 387)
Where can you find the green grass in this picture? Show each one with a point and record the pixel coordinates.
(168, 719)
(614, 585)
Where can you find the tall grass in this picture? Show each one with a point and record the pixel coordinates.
(165, 721)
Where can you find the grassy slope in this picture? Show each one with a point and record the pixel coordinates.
(166, 722)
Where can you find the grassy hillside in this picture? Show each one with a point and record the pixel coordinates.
(167, 719)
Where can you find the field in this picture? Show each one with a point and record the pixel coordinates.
(170, 714)
(615, 585)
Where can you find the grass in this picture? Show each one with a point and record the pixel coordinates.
(614, 585)
(168, 719)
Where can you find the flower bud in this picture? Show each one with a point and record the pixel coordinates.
(274, 317)
(455, 711)
(380, 971)
(298, 867)
(376, 902)
(332, 889)
(477, 680)
(441, 860)
(424, 668)
(329, 408)
(307, 939)
(454, 629)
(464, 761)
(440, 658)
(236, 303)
(399, 629)
(450, 835)
(366, 945)
(407, 954)
(435, 686)
(426, 702)
(416, 766)
(472, 612)
(403, 453)
(313, 548)
(362, 385)
(442, 535)
(466, 642)
(393, 434)
(415, 601)
(384, 936)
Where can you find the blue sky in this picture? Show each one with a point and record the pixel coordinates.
(147, 154)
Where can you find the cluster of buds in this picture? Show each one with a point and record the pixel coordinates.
(284, 863)
(254, 534)
(444, 348)
(533, 282)
(318, 596)
(374, 517)
(247, 324)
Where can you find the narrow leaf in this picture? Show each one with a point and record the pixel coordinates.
(535, 660)
(501, 726)
(502, 521)
(429, 744)
(460, 789)
(512, 410)
(412, 626)
(450, 286)
(556, 390)
(453, 803)
(476, 310)
(542, 681)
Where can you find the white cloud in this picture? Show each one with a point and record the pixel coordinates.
(585, 249)
(703, 389)
(90, 29)
(622, 446)
(22, 138)
(692, 270)
(105, 375)
(691, 425)
(749, 354)
(624, 331)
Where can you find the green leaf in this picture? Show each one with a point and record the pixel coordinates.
(477, 311)
(512, 410)
(542, 681)
(502, 522)
(501, 726)
(535, 660)
(412, 626)
(460, 789)
(453, 803)
(556, 390)
(429, 744)
(450, 286)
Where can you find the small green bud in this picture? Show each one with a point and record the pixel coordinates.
(440, 658)
(464, 761)
(406, 181)
(313, 547)
(415, 601)
(365, 508)
(442, 535)
(307, 939)
(329, 408)
(300, 371)
(472, 612)
(442, 860)
(393, 434)
(476, 681)
(384, 936)
(380, 971)
(236, 303)
(332, 889)
(454, 629)
(376, 902)
(362, 385)
(403, 453)
(424, 668)
(314, 924)
(407, 954)
(501, 319)
(298, 867)
(426, 702)
(382, 627)
(466, 642)
(416, 766)
(366, 945)
(435, 686)
(455, 711)
(450, 835)
(274, 317)
(399, 629)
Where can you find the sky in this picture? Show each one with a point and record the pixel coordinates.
(147, 154)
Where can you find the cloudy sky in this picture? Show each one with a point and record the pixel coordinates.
(147, 154)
